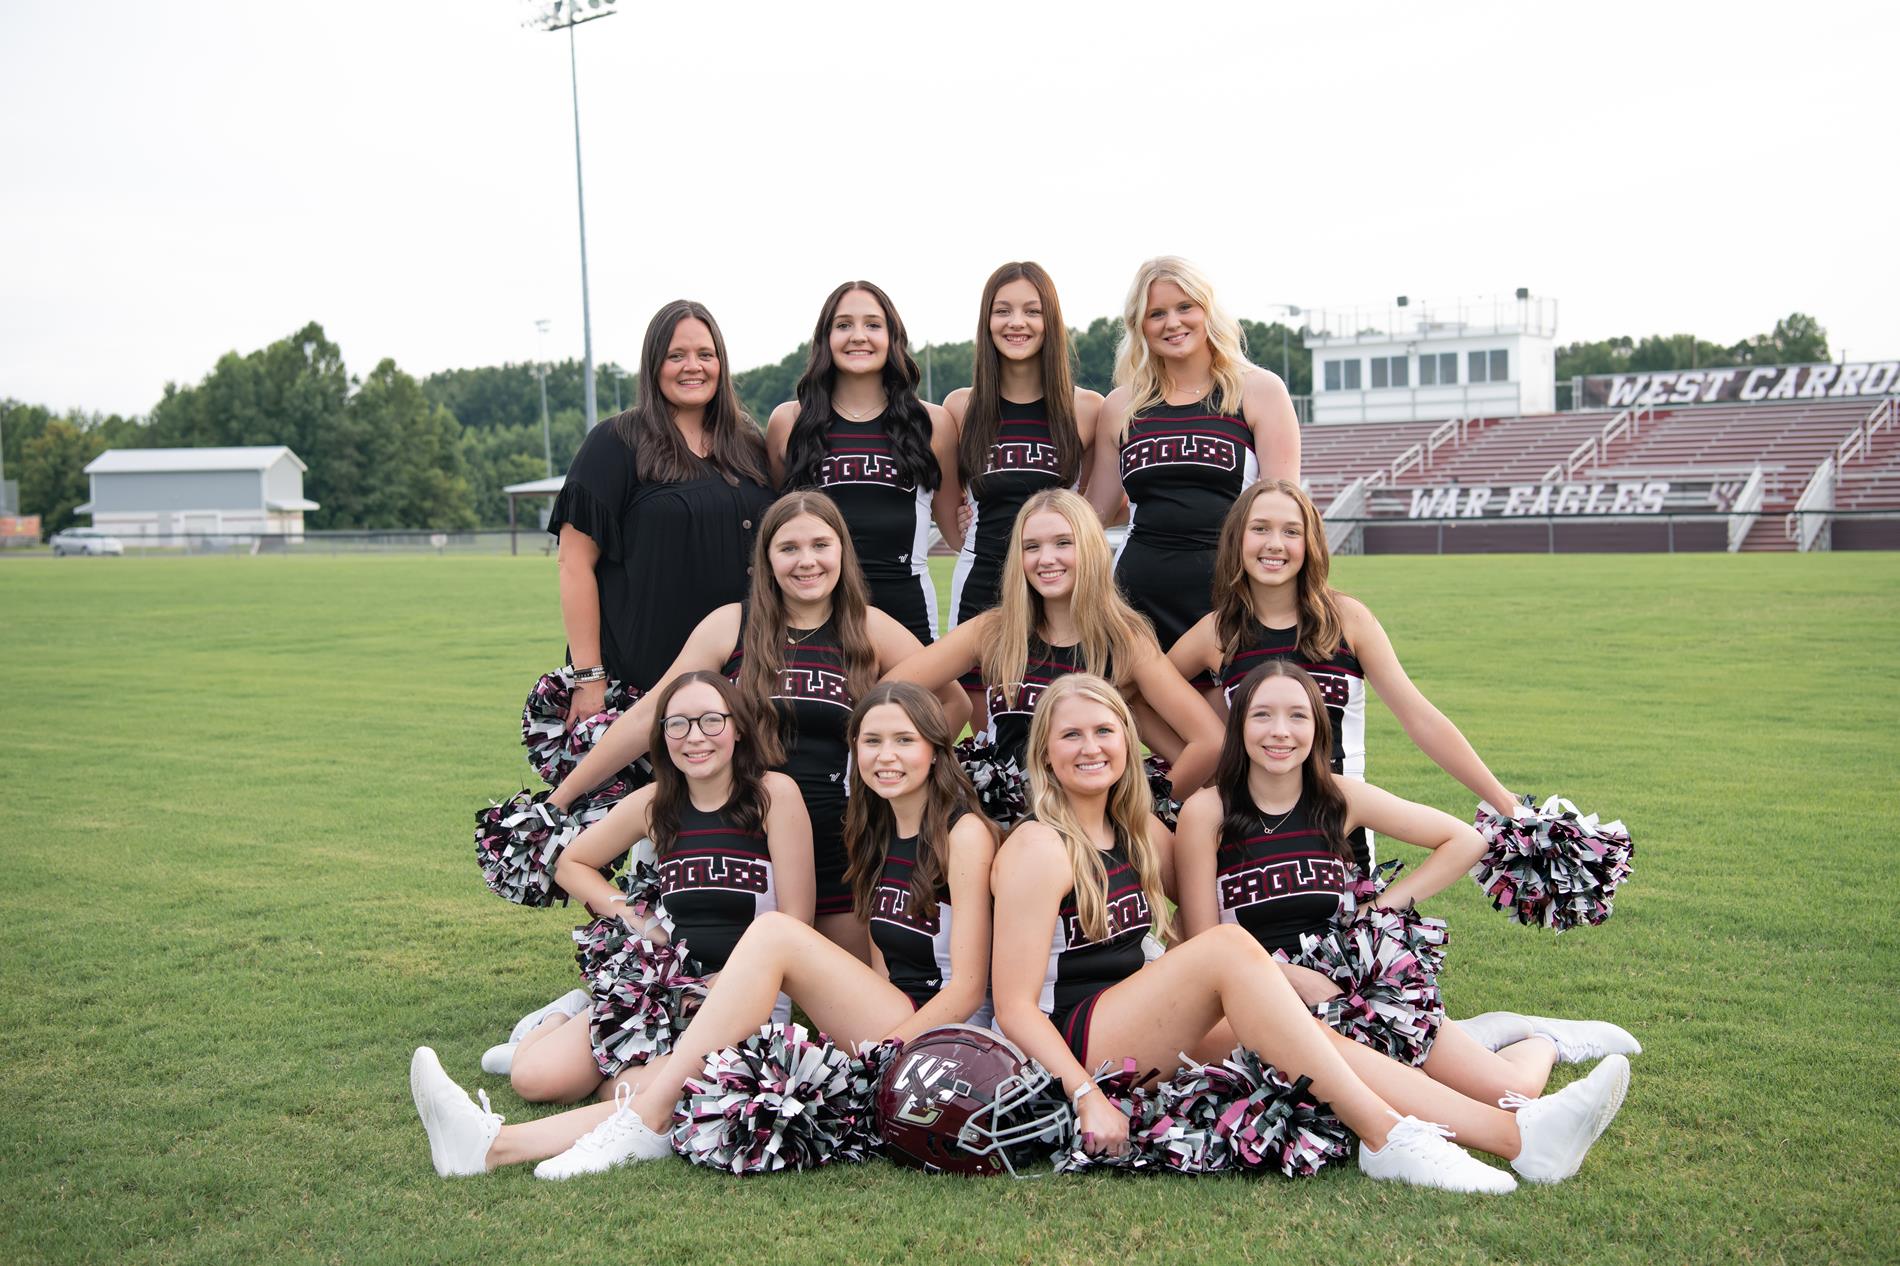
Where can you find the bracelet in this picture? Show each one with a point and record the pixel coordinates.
(583, 676)
(1082, 1092)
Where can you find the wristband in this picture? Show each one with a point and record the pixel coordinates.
(586, 676)
(1081, 1093)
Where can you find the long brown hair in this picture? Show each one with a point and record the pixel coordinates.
(869, 823)
(1320, 627)
(984, 412)
(1129, 805)
(1325, 804)
(660, 453)
(763, 640)
(906, 421)
(749, 801)
(1114, 635)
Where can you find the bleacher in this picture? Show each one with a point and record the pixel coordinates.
(1512, 450)
(1333, 456)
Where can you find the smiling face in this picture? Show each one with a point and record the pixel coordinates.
(696, 755)
(1174, 324)
(689, 372)
(1274, 545)
(1088, 748)
(1049, 559)
(892, 757)
(1278, 726)
(860, 334)
(805, 558)
(1016, 324)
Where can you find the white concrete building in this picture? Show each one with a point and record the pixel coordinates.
(161, 494)
(1459, 358)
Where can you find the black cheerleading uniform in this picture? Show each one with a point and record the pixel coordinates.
(1081, 970)
(916, 949)
(714, 881)
(814, 706)
(1182, 465)
(889, 520)
(1009, 720)
(670, 553)
(1022, 461)
(1281, 883)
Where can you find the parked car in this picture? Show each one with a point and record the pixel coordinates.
(85, 541)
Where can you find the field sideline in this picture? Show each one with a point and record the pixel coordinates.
(240, 889)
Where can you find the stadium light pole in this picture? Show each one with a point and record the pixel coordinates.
(1286, 358)
(565, 15)
(541, 372)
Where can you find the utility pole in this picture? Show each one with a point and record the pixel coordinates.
(541, 372)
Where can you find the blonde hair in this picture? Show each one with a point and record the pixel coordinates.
(1135, 366)
(1129, 802)
(1114, 634)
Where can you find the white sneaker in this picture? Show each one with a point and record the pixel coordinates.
(1557, 1130)
(571, 1003)
(622, 1139)
(459, 1132)
(499, 1061)
(1578, 1041)
(1421, 1153)
(1495, 1030)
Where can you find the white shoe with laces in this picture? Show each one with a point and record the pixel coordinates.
(460, 1133)
(499, 1060)
(622, 1139)
(1421, 1153)
(1495, 1030)
(1557, 1130)
(1578, 1041)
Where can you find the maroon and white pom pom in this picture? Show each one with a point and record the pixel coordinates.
(1552, 867)
(1279, 1124)
(1385, 963)
(644, 995)
(553, 750)
(517, 843)
(1002, 788)
(779, 1100)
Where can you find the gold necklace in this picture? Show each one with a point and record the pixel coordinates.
(1198, 391)
(864, 417)
(809, 633)
(1269, 830)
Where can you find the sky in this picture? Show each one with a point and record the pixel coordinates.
(185, 179)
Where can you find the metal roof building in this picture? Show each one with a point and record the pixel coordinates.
(168, 493)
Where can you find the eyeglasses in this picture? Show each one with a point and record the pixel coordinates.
(711, 724)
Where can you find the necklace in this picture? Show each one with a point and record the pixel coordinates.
(1274, 827)
(861, 417)
(1198, 391)
(809, 634)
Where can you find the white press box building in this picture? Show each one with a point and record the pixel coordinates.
(1422, 359)
(161, 494)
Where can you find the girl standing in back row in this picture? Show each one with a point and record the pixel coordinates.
(1191, 424)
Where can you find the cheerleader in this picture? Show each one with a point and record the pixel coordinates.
(656, 518)
(1192, 423)
(732, 841)
(1266, 847)
(858, 432)
(1060, 613)
(1078, 889)
(920, 867)
(807, 640)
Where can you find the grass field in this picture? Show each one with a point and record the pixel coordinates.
(239, 889)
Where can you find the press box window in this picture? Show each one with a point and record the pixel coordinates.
(1438, 369)
(1492, 366)
(1390, 371)
(1342, 375)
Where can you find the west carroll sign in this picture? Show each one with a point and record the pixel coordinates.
(1635, 496)
(1744, 384)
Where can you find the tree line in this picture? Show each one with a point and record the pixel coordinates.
(390, 450)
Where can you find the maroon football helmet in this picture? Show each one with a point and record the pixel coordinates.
(964, 1100)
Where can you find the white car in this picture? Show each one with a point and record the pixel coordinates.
(85, 541)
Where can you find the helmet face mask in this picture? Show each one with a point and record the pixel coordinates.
(960, 1099)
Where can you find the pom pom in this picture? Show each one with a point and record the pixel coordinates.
(1127, 1089)
(517, 843)
(1386, 964)
(1552, 867)
(553, 750)
(778, 1100)
(1160, 775)
(1002, 788)
(596, 943)
(1279, 1125)
(643, 996)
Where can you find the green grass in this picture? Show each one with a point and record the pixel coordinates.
(239, 889)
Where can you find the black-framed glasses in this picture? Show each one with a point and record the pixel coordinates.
(711, 724)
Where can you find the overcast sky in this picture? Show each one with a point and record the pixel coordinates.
(184, 179)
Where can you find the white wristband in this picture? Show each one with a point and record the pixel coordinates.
(1081, 1092)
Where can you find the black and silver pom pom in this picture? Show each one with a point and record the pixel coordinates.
(1278, 1124)
(1189, 1108)
(1002, 788)
(553, 750)
(644, 995)
(1385, 963)
(1161, 786)
(1127, 1088)
(517, 843)
(1553, 867)
(781, 1099)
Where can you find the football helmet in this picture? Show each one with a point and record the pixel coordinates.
(965, 1100)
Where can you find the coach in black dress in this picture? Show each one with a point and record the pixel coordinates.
(657, 519)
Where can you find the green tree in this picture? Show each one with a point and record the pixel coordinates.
(400, 464)
(52, 472)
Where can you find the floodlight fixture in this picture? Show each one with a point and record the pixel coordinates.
(1523, 292)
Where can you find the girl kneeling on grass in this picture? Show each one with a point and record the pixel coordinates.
(920, 869)
(1077, 889)
(1266, 848)
(733, 843)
